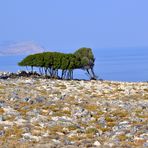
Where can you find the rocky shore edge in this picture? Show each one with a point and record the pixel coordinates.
(6, 75)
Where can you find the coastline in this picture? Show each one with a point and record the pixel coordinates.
(27, 74)
(124, 65)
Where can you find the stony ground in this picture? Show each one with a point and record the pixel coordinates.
(43, 113)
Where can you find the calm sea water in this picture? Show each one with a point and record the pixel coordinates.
(119, 65)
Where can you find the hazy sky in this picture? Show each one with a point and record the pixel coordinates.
(70, 24)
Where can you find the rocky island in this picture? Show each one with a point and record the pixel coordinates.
(43, 113)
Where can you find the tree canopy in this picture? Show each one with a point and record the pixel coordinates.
(50, 62)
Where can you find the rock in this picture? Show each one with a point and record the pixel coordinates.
(102, 121)
(2, 103)
(20, 122)
(56, 141)
(144, 135)
(66, 109)
(4, 75)
(2, 118)
(2, 132)
(14, 97)
(55, 118)
(31, 137)
(97, 143)
(80, 112)
(124, 123)
(10, 111)
(47, 145)
(110, 145)
(72, 113)
(25, 99)
(40, 99)
(145, 144)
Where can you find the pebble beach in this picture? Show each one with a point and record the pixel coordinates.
(44, 113)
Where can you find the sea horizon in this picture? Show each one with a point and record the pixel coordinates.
(116, 65)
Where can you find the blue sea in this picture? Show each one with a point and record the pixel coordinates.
(111, 64)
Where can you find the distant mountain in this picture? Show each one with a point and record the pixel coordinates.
(20, 48)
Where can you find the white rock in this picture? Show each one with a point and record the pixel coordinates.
(124, 122)
(65, 118)
(30, 81)
(20, 121)
(56, 141)
(6, 123)
(138, 138)
(97, 143)
(59, 133)
(10, 111)
(28, 135)
(45, 134)
(66, 109)
(55, 118)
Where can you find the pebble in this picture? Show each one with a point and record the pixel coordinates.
(97, 143)
(83, 114)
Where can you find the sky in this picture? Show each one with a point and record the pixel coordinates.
(66, 25)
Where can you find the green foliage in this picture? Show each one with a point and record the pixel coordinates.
(28, 61)
(83, 58)
(48, 59)
(38, 60)
(84, 61)
(84, 52)
(57, 59)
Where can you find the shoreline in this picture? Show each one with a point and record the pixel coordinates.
(35, 75)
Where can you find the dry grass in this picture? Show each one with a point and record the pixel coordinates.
(72, 127)
(56, 128)
(91, 107)
(61, 86)
(91, 131)
(120, 113)
(1, 111)
(122, 137)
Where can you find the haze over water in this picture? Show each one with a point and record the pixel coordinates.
(118, 65)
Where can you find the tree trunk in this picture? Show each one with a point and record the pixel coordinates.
(93, 73)
(89, 73)
(32, 69)
(45, 69)
(40, 71)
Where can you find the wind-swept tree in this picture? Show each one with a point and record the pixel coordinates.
(28, 61)
(50, 62)
(86, 61)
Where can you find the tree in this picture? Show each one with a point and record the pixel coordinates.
(86, 61)
(50, 62)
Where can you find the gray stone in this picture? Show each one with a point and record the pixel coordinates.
(40, 99)
(2, 118)
(102, 121)
(25, 99)
(145, 144)
(2, 132)
(2, 103)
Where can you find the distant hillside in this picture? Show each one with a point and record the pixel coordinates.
(20, 48)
